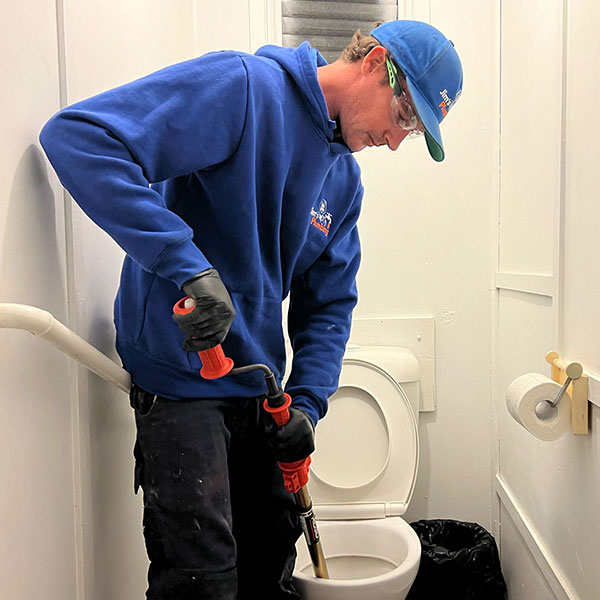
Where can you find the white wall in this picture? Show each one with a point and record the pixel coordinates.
(37, 544)
(425, 231)
(548, 288)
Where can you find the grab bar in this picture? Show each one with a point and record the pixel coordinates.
(42, 324)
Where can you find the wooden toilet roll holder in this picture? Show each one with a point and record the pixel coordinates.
(577, 390)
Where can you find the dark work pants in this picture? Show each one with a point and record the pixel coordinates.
(218, 523)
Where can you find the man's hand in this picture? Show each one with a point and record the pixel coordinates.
(208, 324)
(293, 441)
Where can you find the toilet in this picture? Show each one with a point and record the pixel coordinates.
(361, 480)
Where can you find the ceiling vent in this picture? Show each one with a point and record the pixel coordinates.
(329, 24)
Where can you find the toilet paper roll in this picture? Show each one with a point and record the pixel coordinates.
(525, 393)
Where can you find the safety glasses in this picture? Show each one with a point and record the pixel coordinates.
(403, 113)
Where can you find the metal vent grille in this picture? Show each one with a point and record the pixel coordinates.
(329, 24)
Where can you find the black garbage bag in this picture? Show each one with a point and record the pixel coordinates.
(459, 561)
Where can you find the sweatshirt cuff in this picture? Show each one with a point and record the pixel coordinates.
(180, 262)
(307, 405)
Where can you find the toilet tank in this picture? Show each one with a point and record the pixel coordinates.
(399, 362)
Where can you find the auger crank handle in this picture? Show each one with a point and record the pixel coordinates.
(214, 362)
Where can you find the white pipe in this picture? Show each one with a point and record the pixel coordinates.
(41, 323)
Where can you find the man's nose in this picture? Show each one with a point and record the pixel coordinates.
(394, 137)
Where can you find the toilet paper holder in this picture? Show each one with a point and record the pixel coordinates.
(571, 375)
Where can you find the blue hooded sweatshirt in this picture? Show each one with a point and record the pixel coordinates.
(225, 161)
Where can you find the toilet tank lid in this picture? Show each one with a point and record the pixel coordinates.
(401, 363)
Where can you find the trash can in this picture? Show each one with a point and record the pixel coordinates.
(459, 561)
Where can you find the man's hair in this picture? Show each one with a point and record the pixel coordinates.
(360, 45)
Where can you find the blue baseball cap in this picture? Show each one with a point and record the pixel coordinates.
(432, 69)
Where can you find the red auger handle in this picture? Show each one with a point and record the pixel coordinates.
(280, 414)
(295, 474)
(214, 362)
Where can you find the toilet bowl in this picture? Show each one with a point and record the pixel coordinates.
(362, 479)
(375, 559)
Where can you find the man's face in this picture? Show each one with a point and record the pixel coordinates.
(366, 115)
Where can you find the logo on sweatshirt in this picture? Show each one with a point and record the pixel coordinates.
(321, 219)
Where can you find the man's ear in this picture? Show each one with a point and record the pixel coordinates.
(374, 60)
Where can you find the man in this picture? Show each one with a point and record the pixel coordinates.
(230, 178)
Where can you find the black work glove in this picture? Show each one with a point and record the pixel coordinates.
(293, 441)
(208, 324)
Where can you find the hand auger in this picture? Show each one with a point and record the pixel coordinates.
(295, 474)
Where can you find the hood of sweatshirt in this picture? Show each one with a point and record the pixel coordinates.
(301, 64)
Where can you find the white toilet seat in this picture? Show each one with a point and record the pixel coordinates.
(367, 447)
(366, 461)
